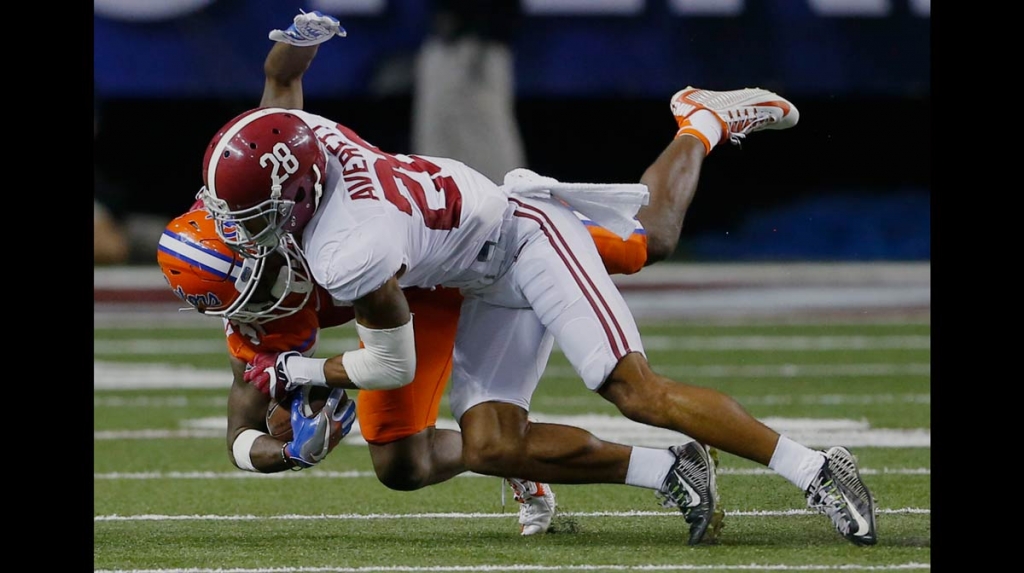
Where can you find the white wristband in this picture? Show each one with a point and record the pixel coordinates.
(304, 371)
(241, 448)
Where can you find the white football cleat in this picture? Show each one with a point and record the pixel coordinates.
(536, 505)
(838, 492)
(740, 111)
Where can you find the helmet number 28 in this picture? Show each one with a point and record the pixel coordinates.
(279, 158)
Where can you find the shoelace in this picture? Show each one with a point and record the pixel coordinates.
(745, 120)
(826, 499)
(518, 491)
(677, 498)
(674, 497)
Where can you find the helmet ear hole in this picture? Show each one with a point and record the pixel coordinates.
(300, 194)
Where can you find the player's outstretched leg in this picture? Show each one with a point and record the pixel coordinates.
(739, 113)
(692, 487)
(536, 505)
(838, 492)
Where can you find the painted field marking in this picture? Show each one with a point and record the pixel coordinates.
(125, 375)
(812, 432)
(530, 567)
(457, 515)
(583, 401)
(158, 347)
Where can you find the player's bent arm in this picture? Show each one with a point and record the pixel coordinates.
(284, 67)
(250, 448)
(387, 359)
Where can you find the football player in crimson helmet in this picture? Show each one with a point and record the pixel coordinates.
(491, 393)
(262, 176)
(215, 280)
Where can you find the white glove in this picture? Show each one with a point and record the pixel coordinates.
(309, 29)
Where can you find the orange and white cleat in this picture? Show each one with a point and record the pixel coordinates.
(740, 111)
(536, 505)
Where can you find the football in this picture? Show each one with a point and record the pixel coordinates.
(279, 412)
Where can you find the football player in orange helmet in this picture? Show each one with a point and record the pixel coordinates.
(249, 293)
(269, 304)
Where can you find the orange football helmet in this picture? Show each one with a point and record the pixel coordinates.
(217, 281)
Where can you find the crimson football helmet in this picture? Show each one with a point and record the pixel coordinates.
(262, 176)
(218, 281)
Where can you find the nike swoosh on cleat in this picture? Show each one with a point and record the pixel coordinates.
(691, 493)
(862, 525)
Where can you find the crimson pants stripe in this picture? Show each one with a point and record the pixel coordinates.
(620, 346)
(597, 293)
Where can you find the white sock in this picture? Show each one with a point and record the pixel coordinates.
(648, 467)
(795, 462)
(708, 125)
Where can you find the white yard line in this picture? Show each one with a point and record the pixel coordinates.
(105, 400)
(126, 375)
(354, 474)
(655, 342)
(812, 432)
(455, 515)
(519, 568)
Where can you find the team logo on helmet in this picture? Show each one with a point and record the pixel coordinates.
(201, 302)
(204, 272)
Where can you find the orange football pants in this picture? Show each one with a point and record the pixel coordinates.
(389, 415)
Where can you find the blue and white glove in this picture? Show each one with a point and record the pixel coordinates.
(313, 437)
(309, 29)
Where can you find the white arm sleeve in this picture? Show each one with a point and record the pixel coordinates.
(388, 360)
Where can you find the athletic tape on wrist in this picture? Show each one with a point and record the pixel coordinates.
(242, 447)
(304, 371)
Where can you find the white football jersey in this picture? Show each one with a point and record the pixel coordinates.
(380, 211)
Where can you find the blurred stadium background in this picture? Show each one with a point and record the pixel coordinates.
(809, 249)
(593, 81)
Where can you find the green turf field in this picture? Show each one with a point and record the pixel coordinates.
(166, 497)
